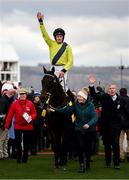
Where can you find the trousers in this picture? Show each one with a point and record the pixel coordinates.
(4, 137)
(124, 135)
(64, 81)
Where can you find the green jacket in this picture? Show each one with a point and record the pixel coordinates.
(66, 59)
(84, 114)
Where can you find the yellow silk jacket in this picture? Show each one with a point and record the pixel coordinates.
(67, 57)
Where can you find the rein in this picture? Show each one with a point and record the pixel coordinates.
(50, 75)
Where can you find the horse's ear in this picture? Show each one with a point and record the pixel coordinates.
(53, 70)
(44, 69)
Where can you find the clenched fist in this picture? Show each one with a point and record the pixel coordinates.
(40, 16)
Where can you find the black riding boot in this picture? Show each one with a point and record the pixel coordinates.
(82, 168)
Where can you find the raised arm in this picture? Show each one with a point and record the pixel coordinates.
(91, 81)
(96, 96)
(40, 17)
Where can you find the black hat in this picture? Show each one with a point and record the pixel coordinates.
(59, 31)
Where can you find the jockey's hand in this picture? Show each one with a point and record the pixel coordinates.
(61, 74)
(86, 126)
(40, 16)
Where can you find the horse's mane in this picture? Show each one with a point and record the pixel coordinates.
(51, 84)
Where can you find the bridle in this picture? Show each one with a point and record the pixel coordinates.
(49, 93)
(51, 90)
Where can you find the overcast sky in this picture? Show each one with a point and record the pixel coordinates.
(97, 30)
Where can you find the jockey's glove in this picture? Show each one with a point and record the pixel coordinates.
(64, 70)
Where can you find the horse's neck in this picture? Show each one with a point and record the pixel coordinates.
(58, 99)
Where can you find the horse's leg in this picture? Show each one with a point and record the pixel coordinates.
(55, 148)
(56, 159)
(63, 154)
(58, 148)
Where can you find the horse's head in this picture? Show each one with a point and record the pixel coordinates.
(50, 82)
(51, 85)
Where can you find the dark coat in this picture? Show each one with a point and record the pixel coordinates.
(5, 103)
(125, 113)
(38, 123)
(111, 110)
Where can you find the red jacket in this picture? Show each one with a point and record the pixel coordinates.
(16, 110)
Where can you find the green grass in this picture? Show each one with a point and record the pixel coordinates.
(42, 167)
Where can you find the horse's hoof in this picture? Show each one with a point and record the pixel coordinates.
(56, 167)
(64, 168)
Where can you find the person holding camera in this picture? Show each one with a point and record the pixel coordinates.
(24, 113)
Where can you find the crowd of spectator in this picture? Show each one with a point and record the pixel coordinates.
(23, 130)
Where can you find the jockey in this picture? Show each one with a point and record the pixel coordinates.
(64, 58)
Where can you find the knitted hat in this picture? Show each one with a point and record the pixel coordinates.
(83, 94)
(6, 86)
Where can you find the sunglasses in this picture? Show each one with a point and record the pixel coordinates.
(22, 93)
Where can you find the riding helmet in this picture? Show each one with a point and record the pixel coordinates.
(58, 31)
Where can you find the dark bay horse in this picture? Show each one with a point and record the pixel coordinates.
(58, 124)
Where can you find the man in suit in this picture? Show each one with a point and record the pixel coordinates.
(110, 124)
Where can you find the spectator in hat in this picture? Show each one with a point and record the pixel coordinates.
(86, 119)
(8, 93)
(38, 123)
(24, 114)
